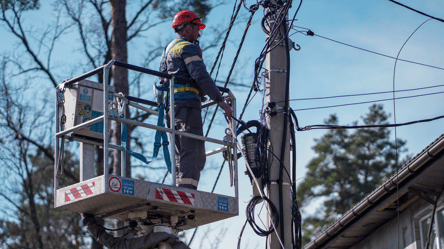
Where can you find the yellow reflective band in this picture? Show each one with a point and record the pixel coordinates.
(179, 46)
(192, 58)
(171, 44)
(186, 89)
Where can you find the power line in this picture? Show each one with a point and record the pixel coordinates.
(363, 94)
(232, 66)
(222, 48)
(318, 127)
(311, 33)
(367, 102)
(394, 119)
(417, 11)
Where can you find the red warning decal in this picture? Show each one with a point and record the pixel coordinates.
(114, 184)
(79, 192)
(174, 196)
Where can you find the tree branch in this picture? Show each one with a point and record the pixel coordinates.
(14, 204)
(22, 36)
(105, 23)
(138, 14)
(76, 19)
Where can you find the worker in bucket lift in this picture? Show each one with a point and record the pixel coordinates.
(183, 58)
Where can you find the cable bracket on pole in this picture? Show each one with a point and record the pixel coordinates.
(272, 109)
(278, 70)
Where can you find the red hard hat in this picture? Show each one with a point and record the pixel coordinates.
(187, 16)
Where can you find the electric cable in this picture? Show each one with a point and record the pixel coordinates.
(165, 176)
(267, 149)
(232, 66)
(363, 94)
(256, 183)
(222, 48)
(250, 215)
(274, 31)
(317, 127)
(417, 11)
(394, 119)
(284, 132)
(288, 29)
(296, 230)
(311, 33)
(240, 235)
(367, 102)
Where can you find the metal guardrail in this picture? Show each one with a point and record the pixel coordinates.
(132, 101)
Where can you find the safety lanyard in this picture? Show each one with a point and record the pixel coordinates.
(161, 135)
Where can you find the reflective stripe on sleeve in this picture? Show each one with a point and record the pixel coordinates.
(192, 58)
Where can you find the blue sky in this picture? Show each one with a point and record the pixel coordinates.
(321, 68)
(324, 68)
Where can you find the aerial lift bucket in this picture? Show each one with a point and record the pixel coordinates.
(80, 117)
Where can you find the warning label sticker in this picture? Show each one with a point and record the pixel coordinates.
(85, 94)
(97, 104)
(222, 204)
(127, 187)
(97, 127)
(80, 192)
(174, 196)
(114, 184)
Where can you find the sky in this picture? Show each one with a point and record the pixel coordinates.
(321, 68)
(324, 68)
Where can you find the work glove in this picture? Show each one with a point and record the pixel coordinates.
(88, 219)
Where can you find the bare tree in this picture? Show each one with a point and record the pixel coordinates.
(103, 30)
(27, 171)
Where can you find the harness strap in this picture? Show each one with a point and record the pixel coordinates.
(131, 153)
(161, 135)
(186, 90)
(183, 89)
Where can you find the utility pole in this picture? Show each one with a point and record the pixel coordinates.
(276, 64)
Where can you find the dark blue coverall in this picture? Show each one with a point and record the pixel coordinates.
(184, 60)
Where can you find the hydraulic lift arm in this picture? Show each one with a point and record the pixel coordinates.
(151, 240)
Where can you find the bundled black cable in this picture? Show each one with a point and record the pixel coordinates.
(250, 216)
(296, 226)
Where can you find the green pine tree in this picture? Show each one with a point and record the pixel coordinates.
(349, 165)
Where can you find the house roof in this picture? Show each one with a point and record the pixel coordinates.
(422, 176)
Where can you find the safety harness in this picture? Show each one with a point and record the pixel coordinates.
(160, 135)
(181, 90)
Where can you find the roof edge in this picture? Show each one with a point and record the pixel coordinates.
(409, 169)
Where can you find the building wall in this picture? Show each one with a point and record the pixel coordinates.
(398, 233)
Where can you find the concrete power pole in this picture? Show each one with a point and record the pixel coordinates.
(276, 63)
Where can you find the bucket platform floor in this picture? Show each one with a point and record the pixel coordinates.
(123, 198)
